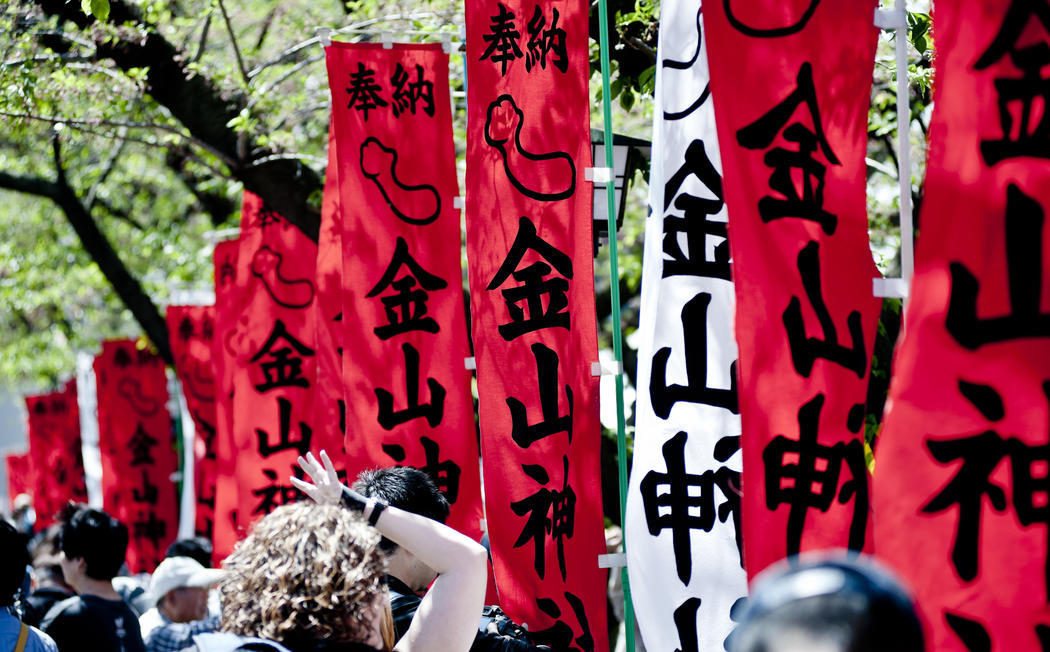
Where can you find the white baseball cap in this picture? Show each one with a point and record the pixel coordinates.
(178, 572)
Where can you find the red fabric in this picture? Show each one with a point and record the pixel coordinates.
(785, 79)
(138, 451)
(408, 391)
(191, 332)
(329, 399)
(961, 464)
(228, 308)
(273, 361)
(532, 303)
(19, 477)
(56, 460)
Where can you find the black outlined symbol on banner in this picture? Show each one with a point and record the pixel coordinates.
(686, 65)
(419, 204)
(790, 24)
(131, 389)
(197, 380)
(290, 293)
(546, 177)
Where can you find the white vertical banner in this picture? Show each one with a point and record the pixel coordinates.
(87, 404)
(683, 550)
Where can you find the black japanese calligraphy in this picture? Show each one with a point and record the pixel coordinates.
(980, 454)
(976, 638)
(806, 350)
(408, 93)
(550, 176)
(553, 422)
(143, 404)
(274, 494)
(550, 513)
(687, 64)
(502, 39)
(693, 223)
(285, 441)
(141, 446)
(186, 330)
(445, 474)
(280, 359)
(363, 92)
(286, 292)
(685, 623)
(147, 493)
(1024, 222)
(663, 396)
(147, 526)
(670, 502)
(760, 135)
(805, 475)
(389, 418)
(559, 636)
(1025, 97)
(535, 286)
(417, 204)
(406, 307)
(544, 41)
(781, 25)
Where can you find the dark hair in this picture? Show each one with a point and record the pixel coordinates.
(94, 536)
(406, 488)
(852, 605)
(196, 548)
(15, 553)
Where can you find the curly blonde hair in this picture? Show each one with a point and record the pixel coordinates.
(306, 572)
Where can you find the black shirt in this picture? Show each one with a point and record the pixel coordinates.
(93, 624)
(40, 602)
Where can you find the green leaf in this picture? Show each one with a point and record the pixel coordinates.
(97, 8)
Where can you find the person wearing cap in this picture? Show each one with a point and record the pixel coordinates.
(179, 590)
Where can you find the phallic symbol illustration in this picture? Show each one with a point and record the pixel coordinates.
(782, 21)
(198, 379)
(290, 293)
(546, 177)
(687, 64)
(131, 389)
(416, 204)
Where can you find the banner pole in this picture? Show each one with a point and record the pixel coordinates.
(904, 147)
(614, 287)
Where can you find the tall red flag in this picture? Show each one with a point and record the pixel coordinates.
(408, 391)
(228, 306)
(191, 331)
(138, 450)
(532, 303)
(56, 460)
(273, 365)
(19, 477)
(791, 99)
(961, 505)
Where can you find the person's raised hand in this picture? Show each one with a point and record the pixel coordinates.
(326, 488)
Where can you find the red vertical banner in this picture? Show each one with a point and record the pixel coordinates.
(961, 483)
(138, 451)
(273, 364)
(793, 137)
(19, 477)
(408, 391)
(56, 460)
(228, 307)
(532, 303)
(191, 331)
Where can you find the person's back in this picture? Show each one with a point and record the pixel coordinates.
(14, 559)
(93, 546)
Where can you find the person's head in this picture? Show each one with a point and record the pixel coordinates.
(835, 603)
(306, 572)
(14, 559)
(92, 542)
(179, 587)
(413, 491)
(197, 548)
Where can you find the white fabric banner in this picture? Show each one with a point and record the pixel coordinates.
(87, 404)
(683, 554)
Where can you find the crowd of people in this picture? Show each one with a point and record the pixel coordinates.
(360, 569)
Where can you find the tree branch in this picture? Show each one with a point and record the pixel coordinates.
(109, 263)
(201, 107)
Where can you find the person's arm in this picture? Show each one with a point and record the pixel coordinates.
(447, 618)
